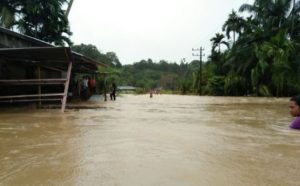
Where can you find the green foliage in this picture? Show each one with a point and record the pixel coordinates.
(41, 19)
(108, 74)
(147, 74)
(235, 84)
(233, 24)
(264, 90)
(215, 86)
(91, 51)
(113, 59)
(8, 11)
(263, 59)
(217, 41)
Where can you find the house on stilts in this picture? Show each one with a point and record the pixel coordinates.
(32, 70)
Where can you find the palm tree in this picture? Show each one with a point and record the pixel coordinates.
(233, 24)
(265, 49)
(259, 9)
(273, 15)
(217, 41)
(42, 19)
(45, 20)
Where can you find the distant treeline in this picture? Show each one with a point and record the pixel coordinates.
(169, 76)
(257, 54)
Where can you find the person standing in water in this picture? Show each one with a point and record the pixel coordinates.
(113, 90)
(151, 93)
(295, 111)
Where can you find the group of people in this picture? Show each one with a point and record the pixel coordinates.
(83, 87)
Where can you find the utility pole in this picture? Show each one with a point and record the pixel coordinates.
(200, 54)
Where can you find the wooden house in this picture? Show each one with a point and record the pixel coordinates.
(32, 70)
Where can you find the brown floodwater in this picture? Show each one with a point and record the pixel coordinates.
(164, 141)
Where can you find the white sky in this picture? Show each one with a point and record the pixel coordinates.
(156, 29)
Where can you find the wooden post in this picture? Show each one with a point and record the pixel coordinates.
(105, 98)
(64, 100)
(40, 89)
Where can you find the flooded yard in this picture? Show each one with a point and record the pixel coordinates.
(167, 140)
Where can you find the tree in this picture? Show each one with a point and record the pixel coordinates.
(233, 24)
(8, 11)
(45, 20)
(41, 19)
(114, 60)
(91, 51)
(272, 15)
(265, 49)
(217, 41)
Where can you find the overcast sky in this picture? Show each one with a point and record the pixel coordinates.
(156, 29)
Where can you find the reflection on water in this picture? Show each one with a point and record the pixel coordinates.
(167, 140)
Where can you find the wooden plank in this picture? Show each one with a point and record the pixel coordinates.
(32, 81)
(54, 69)
(64, 101)
(35, 83)
(27, 100)
(39, 88)
(31, 95)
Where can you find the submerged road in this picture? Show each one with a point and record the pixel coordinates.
(168, 140)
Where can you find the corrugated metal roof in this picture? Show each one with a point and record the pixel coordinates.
(34, 41)
(43, 51)
(52, 57)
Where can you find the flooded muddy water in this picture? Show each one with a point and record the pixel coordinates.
(164, 141)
